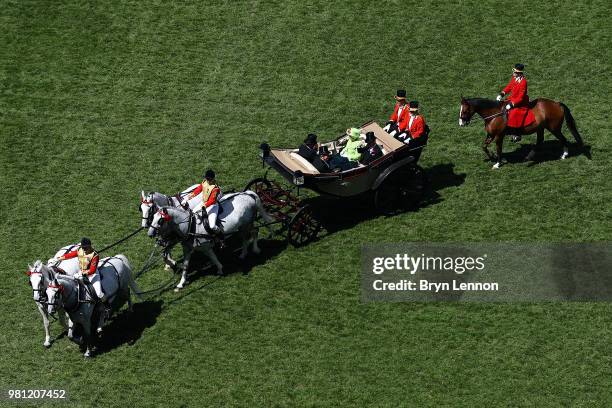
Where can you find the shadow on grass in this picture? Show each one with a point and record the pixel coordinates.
(333, 214)
(200, 266)
(549, 151)
(340, 214)
(127, 327)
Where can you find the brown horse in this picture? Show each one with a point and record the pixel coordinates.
(549, 115)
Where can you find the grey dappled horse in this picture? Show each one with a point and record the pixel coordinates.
(238, 213)
(68, 293)
(151, 202)
(36, 274)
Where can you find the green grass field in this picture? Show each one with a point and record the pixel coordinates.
(102, 100)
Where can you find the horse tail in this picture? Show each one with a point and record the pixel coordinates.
(571, 124)
(131, 281)
(260, 208)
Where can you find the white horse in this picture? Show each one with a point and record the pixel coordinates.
(151, 202)
(238, 212)
(37, 273)
(71, 295)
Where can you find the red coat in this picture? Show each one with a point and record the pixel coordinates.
(402, 121)
(93, 264)
(417, 128)
(517, 88)
(212, 197)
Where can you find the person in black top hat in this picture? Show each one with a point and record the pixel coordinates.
(399, 118)
(321, 162)
(371, 151)
(308, 149)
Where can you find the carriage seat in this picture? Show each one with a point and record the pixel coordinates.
(304, 163)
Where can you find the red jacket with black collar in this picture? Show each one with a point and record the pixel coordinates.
(402, 118)
(517, 88)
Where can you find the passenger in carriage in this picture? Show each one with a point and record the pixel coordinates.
(371, 151)
(416, 126)
(398, 121)
(349, 156)
(308, 150)
(324, 158)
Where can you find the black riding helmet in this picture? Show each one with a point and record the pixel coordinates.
(209, 175)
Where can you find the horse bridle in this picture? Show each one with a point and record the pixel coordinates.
(150, 211)
(41, 299)
(467, 122)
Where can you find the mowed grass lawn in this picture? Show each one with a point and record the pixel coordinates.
(101, 100)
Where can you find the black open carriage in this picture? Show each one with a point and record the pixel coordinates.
(395, 179)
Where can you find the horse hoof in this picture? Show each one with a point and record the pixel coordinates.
(564, 156)
(496, 166)
(87, 354)
(177, 289)
(47, 344)
(168, 268)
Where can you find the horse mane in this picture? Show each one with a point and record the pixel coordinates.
(483, 103)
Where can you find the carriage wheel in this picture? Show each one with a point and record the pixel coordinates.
(401, 190)
(303, 227)
(258, 185)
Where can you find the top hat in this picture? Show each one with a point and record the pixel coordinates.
(518, 68)
(414, 106)
(311, 139)
(370, 137)
(401, 94)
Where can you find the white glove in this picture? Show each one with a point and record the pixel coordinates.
(52, 261)
(509, 106)
(499, 98)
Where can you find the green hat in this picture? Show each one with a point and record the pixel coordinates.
(355, 133)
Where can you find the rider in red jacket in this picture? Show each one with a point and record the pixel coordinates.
(517, 88)
(517, 104)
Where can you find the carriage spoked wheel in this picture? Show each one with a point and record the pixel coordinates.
(258, 185)
(401, 190)
(303, 227)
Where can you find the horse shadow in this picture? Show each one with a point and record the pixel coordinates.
(550, 150)
(200, 265)
(127, 327)
(340, 214)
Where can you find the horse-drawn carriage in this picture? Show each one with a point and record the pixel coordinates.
(395, 181)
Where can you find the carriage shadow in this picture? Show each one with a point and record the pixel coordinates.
(340, 214)
(549, 151)
(127, 327)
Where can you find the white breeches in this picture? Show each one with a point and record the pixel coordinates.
(97, 284)
(213, 212)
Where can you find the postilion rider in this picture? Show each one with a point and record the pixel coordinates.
(88, 267)
(211, 193)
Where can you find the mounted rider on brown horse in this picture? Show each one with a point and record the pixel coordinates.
(518, 116)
